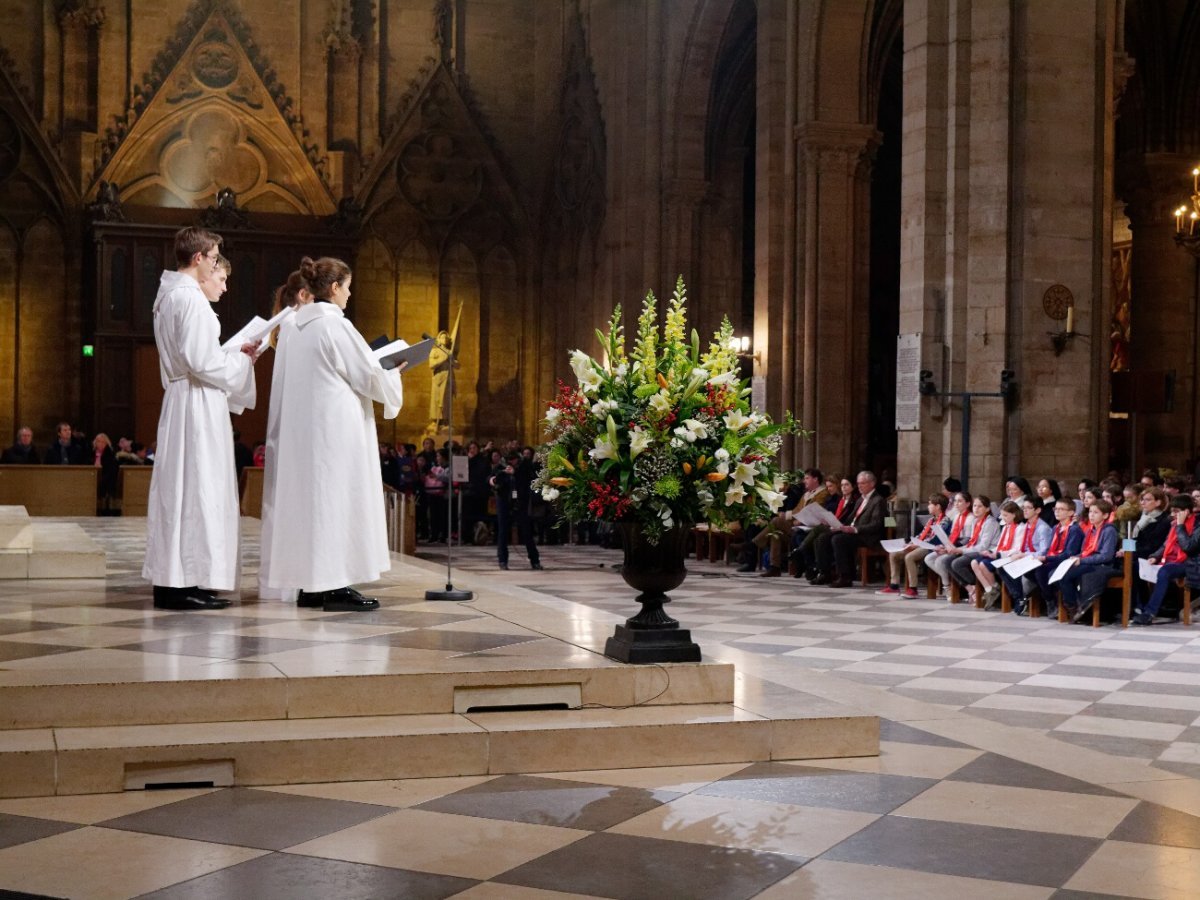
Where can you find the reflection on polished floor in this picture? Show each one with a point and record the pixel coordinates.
(1018, 759)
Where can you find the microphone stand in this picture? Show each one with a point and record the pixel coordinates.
(450, 593)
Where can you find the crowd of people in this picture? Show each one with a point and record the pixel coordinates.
(1071, 545)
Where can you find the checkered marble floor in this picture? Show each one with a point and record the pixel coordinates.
(1019, 758)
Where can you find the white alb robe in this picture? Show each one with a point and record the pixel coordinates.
(327, 528)
(270, 468)
(192, 517)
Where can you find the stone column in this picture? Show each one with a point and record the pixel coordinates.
(343, 57)
(1163, 329)
(833, 313)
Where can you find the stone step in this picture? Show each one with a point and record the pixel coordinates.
(40, 762)
(55, 550)
(231, 691)
(16, 528)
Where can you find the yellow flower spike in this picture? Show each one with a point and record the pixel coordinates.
(567, 463)
(715, 476)
(687, 468)
(560, 481)
(662, 382)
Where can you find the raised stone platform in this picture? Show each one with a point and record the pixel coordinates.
(116, 695)
(37, 548)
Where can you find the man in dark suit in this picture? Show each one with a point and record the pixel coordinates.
(865, 529)
(22, 453)
(64, 452)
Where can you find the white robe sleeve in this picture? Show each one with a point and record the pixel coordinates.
(201, 353)
(354, 361)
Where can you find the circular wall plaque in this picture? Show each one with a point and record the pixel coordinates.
(1057, 300)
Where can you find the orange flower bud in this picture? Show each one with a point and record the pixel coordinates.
(687, 468)
(560, 481)
(662, 382)
(715, 476)
(701, 461)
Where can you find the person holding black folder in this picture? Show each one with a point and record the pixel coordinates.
(329, 531)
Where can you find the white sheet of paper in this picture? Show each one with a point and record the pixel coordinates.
(924, 545)
(1063, 566)
(1023, 566)
(1001, 561)
(389, 349)
(258, 329)
(1147, 572)
(816, 514)
(893, 545)
(942, 536)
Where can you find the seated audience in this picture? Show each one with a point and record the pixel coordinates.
(984, 535)
(64, 451)
(1173, 556)
(1035, 541)
(842, 505)
(1012, 529)
(911, 555)
(864, 530)
(778, 533)
(22, 453)
(964, 523)
(1088, 577)
(1049, 491)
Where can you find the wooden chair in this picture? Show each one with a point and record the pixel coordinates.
(933, 584)
(1124, 581)
(865, 555)
(1033, 603)
(1185, 613)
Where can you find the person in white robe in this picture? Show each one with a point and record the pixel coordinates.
(328, 529)
(292, 294)
(192, 515)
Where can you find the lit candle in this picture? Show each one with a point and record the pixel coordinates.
(1196, 180)
(1192, 227)
(1179, 219)
(1071, 319)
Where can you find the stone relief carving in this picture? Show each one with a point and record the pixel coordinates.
(224, 214)
(437, 177)
(107, 205)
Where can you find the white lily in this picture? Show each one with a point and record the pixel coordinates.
(601, 408)
(722, 454)
(552, 415)
(605, 448)
(696, 427)
(639, 441)
(735, 494)
(580, 363)
(723, 378)
(773, 499)
(589, 381)
(735, 420)
(745, 473)
(549, 493)
(660, 402)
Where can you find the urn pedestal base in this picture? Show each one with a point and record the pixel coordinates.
(652, 645)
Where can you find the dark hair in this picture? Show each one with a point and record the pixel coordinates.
(288, 293)
(1103, 505)
(938, 500)
(1034, 500)
(1181, 501)
(953, 485)
(1087, 483)
(1010, 507)
(814, 473)
(985, 500)
(1020, 483)
(966, 495)
(321, 275)
(1055, 490)
(190, 241)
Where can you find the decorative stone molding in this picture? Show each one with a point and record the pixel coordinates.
(210, 15)
(107, 205)
(580, 166)
(79, 14)
(839, 146)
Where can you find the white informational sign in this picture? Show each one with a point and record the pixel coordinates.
(908, 382)
(758, 392)
(459, 469)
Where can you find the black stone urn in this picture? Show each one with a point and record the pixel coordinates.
(652, 570)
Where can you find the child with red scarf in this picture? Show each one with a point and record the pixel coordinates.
(1066, 541)
(1173, 556)
(911, 555)
(1094, 564)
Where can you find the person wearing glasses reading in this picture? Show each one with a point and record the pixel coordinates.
(192, 514)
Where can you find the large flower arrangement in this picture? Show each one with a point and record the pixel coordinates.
(664, 436)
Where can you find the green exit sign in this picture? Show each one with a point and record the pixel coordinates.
(89, 350)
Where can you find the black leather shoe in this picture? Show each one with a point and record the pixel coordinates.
(821, 578)
(841, 583)
(311, 600)
(348, 600)
(537, 566)
(504, 567)
(185, 598)
(1084, 608)
(1142, 620)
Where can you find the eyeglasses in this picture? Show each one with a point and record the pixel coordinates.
(214, 256)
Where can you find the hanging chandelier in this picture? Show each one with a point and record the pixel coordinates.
(1187, 220)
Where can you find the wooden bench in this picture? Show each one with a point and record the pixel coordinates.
(1185, 612)
(135, 489)
(50, 490)
(1124, 581)
(710, 543)
(252, 491)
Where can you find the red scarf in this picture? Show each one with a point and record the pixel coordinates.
(1030, 531)
(1091, 541)
(978, 529)
(1172, 553)
(841, 506)
(1006, 537)
(928, 530)
(1060, 539)
(957, 529)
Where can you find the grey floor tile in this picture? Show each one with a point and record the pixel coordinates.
(1149, 823)
(1191, 770)
(1143, 714)
(631, 868)
(450, 641)
(1019, 718)
(1135, 748)
(991, 768)
(217, 645)
(548, 801)
(267, 820)
(282, 876)
(10, 651)
(23, 829)
(975, 851)
(404, 618)
(811, 786)
(906, 734)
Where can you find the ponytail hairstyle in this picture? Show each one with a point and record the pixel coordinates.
(321, 275)
(287, 294)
